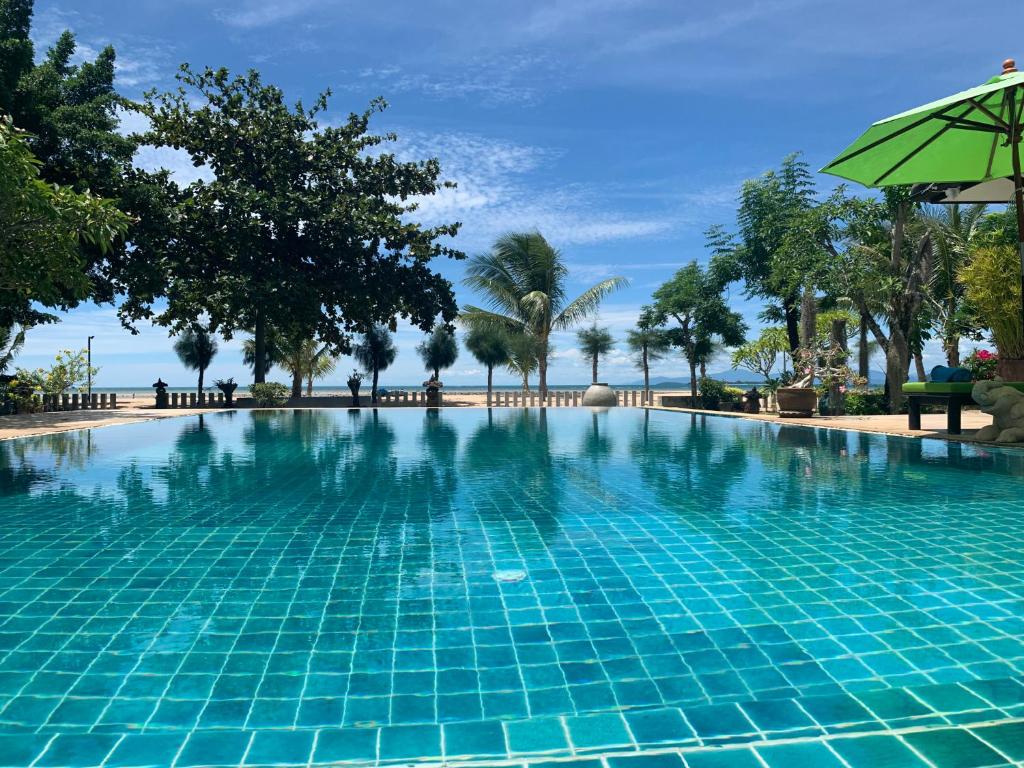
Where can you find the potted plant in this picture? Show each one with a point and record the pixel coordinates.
(982, 364)
(355, 380)
(991, 277)
(228, 387)
(799, 398)
(433, 386)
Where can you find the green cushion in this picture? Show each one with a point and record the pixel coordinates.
(938, 388)
(949, 387)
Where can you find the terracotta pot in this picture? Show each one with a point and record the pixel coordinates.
(796, 402)
(1011, 368)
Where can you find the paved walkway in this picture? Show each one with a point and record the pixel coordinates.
(28, 424)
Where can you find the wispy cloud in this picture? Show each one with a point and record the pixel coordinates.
(504, 186)
(261, 13)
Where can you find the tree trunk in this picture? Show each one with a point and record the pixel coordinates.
(693, 383)
(951, 339)
(863, 350)
(922, 375)
(647, 375)
(897, 363)
(792, 324)
(437, 374)
(490, 383)
(296, 384)
(373, 390)
(593, 371)
(703, 369)
(259, 353)
(542, 374)
(199, 389)
(309, 386)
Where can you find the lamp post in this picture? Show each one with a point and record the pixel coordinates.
(88, 365)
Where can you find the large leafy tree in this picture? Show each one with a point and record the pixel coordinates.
(594, 342)
(69, 108)
(694, 299)
(783, 240)
(523, 280)
(885, 271)
(196, 348)
(438, 351)
(490, 346)
(303, 226)
(375, 352)
(648, 343)
(42, 230)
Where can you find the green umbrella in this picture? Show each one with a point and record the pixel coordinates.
(972, 136)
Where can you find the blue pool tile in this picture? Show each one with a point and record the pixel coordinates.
(214, 748)
(870, 750)
(145, 749)
(781, 715)
(799, 755)
(280, 748)
(719, 721)
(658, 726)
(405, 742)
(349, 744)
(953, 748)
(593, 731)
(78, 750)
(722, 758)
(1008, 738)
(474, 739)
(662, 760)
(19, 750)
(536, 735)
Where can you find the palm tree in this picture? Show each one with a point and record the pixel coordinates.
(523, 279)
(648, 343)
(195, 347)
(375, 353)
(594, 342)
(523, 356)
(953, 228)
(10, 343)
(320, 366)
(490, 346)
(438, 351)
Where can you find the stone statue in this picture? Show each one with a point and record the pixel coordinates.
(1006, 404)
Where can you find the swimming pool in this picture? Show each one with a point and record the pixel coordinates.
(509, 586)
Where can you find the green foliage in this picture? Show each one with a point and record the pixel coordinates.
(865, 402)
(438, 351)
(524, 353)
(69, 372)
(523, 280)
(42, 229)
(269, 394)
(762, 356)
(714, 393)
(310, 224)
(982, 364)
(991, 280)
(490, 346)
(594, 342)
(376, 352)
(11, 341)
(693, 298)
(195, 348)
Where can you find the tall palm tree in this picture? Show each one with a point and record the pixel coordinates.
(594, 342)
(648, 343)
(375, 353)
(490, 346)
(196, 347)
(10, 343)
(438, 351)
(524, 281)
(320, 366)
(953, 228)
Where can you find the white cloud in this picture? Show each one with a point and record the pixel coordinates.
(261, 13)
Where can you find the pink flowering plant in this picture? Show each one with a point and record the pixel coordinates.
(982, 364)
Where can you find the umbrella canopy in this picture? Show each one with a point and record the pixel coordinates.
(994, 192)
(972, 136)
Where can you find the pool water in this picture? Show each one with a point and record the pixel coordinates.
(516, 586)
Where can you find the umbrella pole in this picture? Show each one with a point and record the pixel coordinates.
(1018, 198)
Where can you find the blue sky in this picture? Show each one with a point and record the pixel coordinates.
(621, 129)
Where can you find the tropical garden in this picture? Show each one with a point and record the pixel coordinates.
(303, 239)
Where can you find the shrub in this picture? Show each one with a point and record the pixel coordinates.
(991, 279)
(269, 394)
(866, 402)
(982, 364)
(712, 393)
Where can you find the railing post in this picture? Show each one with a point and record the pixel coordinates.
(103, 401)
(74, 401)
(113, 400)
(174, 399)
